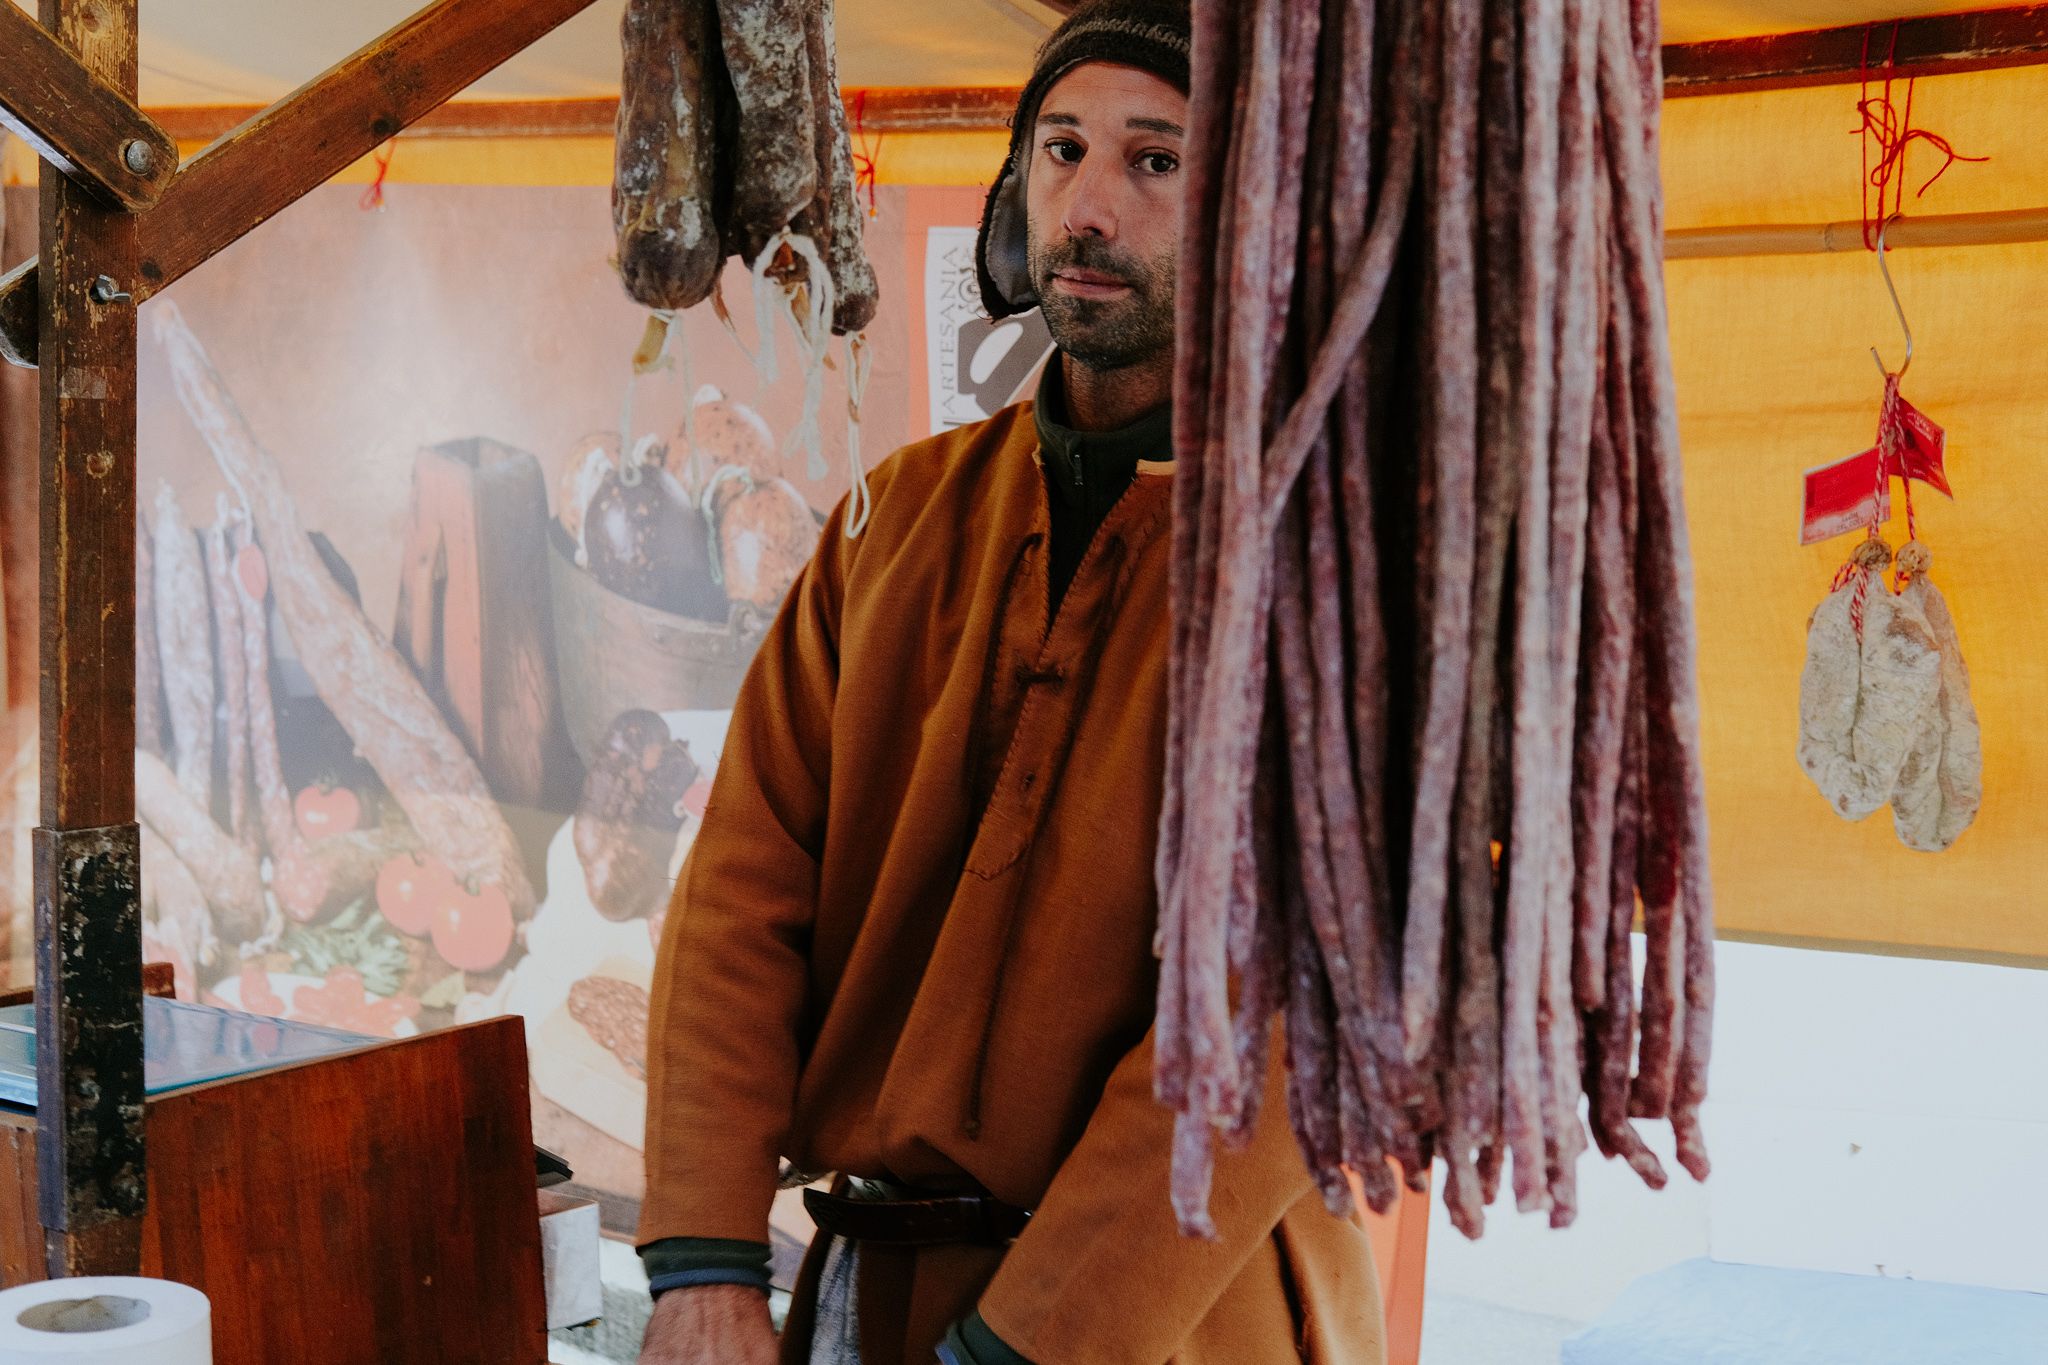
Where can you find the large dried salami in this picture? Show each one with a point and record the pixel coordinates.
(666, 181)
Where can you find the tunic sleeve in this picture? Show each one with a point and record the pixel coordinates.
(1102, 1274)
(730, 977)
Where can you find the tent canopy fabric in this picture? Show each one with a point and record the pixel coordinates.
(252, 51)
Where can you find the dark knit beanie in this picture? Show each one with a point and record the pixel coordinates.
(1151, 35)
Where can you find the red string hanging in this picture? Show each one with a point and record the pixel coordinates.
(864, 171)
(1891, 439)
(373, 194)
(1887, 133)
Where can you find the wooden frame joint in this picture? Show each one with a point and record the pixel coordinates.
(77, 122)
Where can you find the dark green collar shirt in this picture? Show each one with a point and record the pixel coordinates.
(1087, 471)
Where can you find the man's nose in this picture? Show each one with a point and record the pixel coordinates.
(1091, 211)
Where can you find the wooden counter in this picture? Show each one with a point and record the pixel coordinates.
(373, 1208)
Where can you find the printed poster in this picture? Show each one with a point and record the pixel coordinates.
(446, 609)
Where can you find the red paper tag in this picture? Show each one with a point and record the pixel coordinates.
(1844, 496)
(1922, 448)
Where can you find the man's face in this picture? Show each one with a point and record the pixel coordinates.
(1103, 196)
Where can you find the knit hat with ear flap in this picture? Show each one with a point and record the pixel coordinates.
(1151, 35)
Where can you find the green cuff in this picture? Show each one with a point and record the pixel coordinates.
(971, 1341)
(681, 1262)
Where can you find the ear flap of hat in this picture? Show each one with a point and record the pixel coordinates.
(1002, 253)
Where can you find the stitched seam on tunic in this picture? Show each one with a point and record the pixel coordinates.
(1133, 539)
(976, 767)
(1084, 679)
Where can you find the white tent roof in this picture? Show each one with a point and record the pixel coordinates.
(252, 51)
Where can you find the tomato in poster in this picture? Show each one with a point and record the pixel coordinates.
(473, 929)
(322, 811)
(411, 890)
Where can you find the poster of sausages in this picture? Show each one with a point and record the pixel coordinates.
(443, 608)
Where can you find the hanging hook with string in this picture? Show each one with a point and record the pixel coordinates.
(1897, 307)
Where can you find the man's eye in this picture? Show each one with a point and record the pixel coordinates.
(1159, 163)
(1064, 150)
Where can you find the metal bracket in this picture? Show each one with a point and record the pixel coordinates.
(89, 1093)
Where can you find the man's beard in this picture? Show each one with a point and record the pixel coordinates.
(1106, 334)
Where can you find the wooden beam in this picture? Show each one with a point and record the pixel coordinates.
(1935, 45)
(307, 137)
(87, 882)
(78, 123)
(457, 119)
(909, 109)
(898, 109)
(1803, 239)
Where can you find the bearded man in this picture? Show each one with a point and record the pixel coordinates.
(913, 943)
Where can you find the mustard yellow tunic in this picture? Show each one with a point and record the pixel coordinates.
(914, 941)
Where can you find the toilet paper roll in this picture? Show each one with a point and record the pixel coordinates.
(105, 1320)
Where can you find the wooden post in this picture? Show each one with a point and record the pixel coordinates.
(91, 1177)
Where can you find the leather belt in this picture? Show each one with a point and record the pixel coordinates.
(977, 1218)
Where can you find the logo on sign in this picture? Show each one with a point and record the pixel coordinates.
(977, 366)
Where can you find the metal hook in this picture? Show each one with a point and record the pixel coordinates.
(1897, 307)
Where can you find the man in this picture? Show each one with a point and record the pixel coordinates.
(914, 941)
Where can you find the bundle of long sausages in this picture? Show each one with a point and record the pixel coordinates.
(732, 140)
(1433, 736)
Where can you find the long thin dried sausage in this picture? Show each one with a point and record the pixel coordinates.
(225, 870)
(1225, 733)
(1453, 412)
(1579, 258)
(184, 637)
(1528, 851)
(1606, 649)
(228, 627)
(1475, 1091)
(1678, 834)
(1350, 986)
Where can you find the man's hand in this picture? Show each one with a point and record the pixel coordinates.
(710, 1324)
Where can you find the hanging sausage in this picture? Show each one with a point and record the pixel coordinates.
(1433, 728)
(732, 140)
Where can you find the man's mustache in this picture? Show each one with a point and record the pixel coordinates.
(1087, 253)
